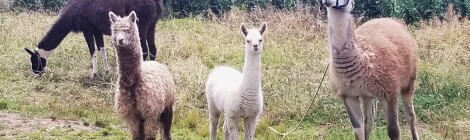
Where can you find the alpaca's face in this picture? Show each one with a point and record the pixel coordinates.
(38, 63)
(122, 29)
(341, 5)
(253, 38)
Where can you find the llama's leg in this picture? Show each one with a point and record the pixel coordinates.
(391, 113)
(232, 127)
(141, 133)
(90, 41)
(143, 40)
(100, 43)
(146, 17)
(166, 119)
(214, 117)
(368, 111)
(135, 124)
(250, 127)
(353, 107)
(407, 98)
(226, 132)
(151, 41)
(150, 127)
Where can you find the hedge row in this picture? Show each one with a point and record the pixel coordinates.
(409, 10)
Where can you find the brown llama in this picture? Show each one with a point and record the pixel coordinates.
(91, 18)
(145, 89)
(376, 60)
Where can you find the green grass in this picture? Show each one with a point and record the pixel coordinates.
(294, 58)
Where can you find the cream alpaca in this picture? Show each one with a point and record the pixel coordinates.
(237, 95)
(376, 60)
(145, 90)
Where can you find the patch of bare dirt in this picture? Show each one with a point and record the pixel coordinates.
(12, 124)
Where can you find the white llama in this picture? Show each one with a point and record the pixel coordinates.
(237, 95)
(376, 60)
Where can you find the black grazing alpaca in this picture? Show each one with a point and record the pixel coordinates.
(91, 18)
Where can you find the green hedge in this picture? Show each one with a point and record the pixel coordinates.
(409, 10)
(53, 5)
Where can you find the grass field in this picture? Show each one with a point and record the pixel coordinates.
(294, 60)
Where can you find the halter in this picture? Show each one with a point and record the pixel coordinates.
(340, 7)
(39, 65)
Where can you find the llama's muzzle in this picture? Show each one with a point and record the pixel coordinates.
(120, 41)
(255, 47)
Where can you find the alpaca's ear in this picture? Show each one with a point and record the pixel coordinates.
(263, 28)
(112, 17)
(243, 29)
(29, 51)
(133, 17)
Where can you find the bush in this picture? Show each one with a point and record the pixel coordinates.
(53, 5)
(368, 9)
(409, 10)
(184, 8)
(414, 10)
(4, 5)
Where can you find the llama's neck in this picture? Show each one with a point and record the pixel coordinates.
(251, 82)
(340, 29)
(54, 36)
(341, 34)
(129, 64)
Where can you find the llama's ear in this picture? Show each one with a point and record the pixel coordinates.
(263, 28)
(29, 51)
(112, 17)
(243, 29)
(133, 17)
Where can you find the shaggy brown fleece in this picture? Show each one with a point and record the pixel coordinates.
(145, 90)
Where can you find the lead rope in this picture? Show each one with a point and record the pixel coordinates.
(308, 109)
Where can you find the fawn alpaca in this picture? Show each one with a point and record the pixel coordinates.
(145, 90)
(237, 95)
(376, 60)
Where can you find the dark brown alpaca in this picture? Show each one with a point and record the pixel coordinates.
(91, 18)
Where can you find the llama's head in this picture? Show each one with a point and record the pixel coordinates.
(38, 63)
(340, 5)
(253, 38)
(124, 30)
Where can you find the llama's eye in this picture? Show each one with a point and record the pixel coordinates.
(260, 40)
(248, 41)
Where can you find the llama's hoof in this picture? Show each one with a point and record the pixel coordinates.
(150, 138)
(93, 75)
(153, 58)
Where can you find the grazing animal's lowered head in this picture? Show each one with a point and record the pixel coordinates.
(125, 33)
(253, 39)
(38, 62)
